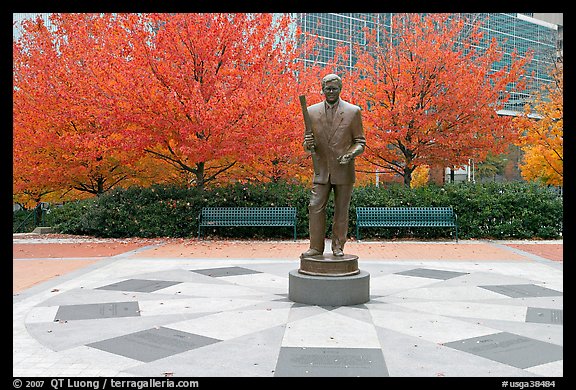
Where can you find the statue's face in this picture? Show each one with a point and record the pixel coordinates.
(331, 91)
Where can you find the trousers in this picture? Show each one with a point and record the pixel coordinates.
(317, 214)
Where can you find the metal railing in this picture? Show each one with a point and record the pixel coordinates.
(36, 217)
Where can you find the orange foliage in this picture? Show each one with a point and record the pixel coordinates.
(215, 92)
(106, 100)
(207, 95)
(65, 137)
(429, 100)
(542, 139)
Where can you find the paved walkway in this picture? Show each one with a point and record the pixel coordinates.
(189, 308)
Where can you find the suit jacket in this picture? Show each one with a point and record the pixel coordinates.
(344, 135)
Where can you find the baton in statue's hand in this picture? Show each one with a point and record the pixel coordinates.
(307, 120)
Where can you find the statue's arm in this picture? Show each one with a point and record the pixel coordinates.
(359, 140)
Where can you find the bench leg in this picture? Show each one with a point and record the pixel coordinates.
(294, 232)
(357, 233)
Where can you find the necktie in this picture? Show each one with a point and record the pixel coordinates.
(331, 115)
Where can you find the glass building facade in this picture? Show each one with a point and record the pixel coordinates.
(17, 18)
(513, 31)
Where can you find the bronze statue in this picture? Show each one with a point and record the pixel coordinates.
(335, 138)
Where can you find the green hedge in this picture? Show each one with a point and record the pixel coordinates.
(164, 211)
(514, 210)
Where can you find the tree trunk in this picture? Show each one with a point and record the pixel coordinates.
(100, 183)
(199, 172)
(408, 176)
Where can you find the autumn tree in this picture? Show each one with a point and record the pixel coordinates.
(431, 92)
(278, 151)
(31, 169)
(66, 135)
(541, 133)
(212, 92)
(202, 93)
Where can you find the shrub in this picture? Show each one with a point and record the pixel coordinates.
(514, 210)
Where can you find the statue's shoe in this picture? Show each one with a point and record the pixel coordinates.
(311, 252)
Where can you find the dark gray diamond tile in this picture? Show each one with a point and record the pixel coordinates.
(431, 273)
(97, 311)
(153, 344)
(545, 316)
(139, 285)
(225, 271)
(523, 290)
(511, 349)
(330, 362)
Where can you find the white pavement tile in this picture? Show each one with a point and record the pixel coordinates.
(449, 293)
(99, 359)
(481, 278)
(300, 311)
(193, 305)
(232, 324)
(470, 310)
(389, 284)
(41, 314)
(551, 370)
(211, 290)
(430, 327)
(330, 329)
(556, 302)
(357, 312)
(274, 283)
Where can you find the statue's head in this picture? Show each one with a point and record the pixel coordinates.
(331, 87)
(332, 77)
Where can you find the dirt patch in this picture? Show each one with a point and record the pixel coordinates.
(67, 250)
(27, 273)
(554, 252)
(38, 258)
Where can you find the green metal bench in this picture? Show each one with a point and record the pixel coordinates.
(405, 217)
(247, 216)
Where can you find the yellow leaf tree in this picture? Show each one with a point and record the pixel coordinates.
(541, 135)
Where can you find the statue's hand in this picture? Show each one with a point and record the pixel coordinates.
(309, 142)
(345, 158)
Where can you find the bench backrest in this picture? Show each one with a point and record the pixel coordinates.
(405, 214)
(249, 215)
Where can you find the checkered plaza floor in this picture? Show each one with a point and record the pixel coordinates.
(131, 315)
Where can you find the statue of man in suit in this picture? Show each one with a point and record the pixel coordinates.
(338, 137)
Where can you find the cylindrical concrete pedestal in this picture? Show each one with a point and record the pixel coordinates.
(329, 290)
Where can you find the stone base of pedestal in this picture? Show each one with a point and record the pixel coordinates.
(329, 290)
